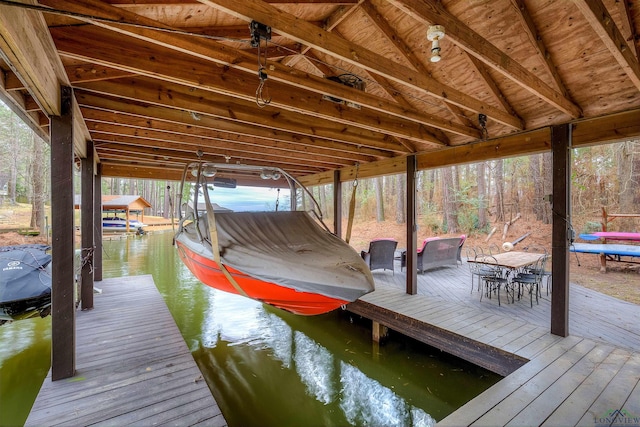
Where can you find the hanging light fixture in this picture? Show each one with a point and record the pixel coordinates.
(435, 33)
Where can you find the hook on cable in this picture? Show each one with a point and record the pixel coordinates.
(261, 32)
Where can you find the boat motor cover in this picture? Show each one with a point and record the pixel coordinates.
(290, 249)
(22, 272)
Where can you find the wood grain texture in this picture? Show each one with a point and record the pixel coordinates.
(133, 367)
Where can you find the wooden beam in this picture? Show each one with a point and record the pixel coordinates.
(15, 102)
(124, 53)
(536, 41)
(63, 317)
(106, 148)
(412, 227)
(87, 216)
(561, 228)
(628, 26)
(615, 127)
(97, 222)
(109, 108)
(599, 130)
(114, 169)
(25, 41)
(223, 107)
(124, 124)
(304, 32)
(213, 51)
(494, 90)
(471, 42)
(605, 27)
(168, 144)
(530, 142)
(337, 204)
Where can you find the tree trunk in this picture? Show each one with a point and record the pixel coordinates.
(547, 189)
(378, 182)
(538, 186)
(449, 201)
(401, 213)
(13, 161)
(482, 195)
(629, 181)
(499, 198)
(38, 182)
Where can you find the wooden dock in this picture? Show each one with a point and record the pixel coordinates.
(589, 378)
(133, 367)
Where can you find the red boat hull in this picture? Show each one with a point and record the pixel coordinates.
(304, 303)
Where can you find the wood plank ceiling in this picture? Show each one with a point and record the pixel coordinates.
(158, 80)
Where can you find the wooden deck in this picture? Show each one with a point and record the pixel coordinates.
(133, 367)
(579, 380)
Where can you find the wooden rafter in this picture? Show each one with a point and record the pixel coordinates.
(600, 20)
(627, 26)
(187, 142)
(494, 90)
(187, 117)
(329, 43)
(222, 107)
(116, 51)
(536, 41)
(474, 44)
(188, 133)
(405, 51)
(210, 50)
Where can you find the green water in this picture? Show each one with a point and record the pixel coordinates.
(265, 367)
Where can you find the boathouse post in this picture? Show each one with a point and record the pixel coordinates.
(561, 228)
(86, 229)
(63, 314)
(97, 224)
(412, 230)
(337, 204)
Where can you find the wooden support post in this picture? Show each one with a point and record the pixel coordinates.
(87, 230)
(561, 148)
(412, 228)
(378, 331)
(337, 204)
(97, 224)
(63, 314)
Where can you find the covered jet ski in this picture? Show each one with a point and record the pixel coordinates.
(25, 281)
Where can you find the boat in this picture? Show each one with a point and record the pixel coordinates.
(120, 224)
(286, 258)
(25, 282)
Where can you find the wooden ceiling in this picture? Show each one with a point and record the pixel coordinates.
(155, 80)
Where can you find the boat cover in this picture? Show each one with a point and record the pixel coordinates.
(23, 277)
(290, 249)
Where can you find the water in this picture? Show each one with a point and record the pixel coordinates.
(265, 367)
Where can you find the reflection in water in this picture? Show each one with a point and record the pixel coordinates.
(264, 366)
(230, 321)
(314, 365)
(25, 354)
(366, 402)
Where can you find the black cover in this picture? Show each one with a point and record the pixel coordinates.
(25, 281)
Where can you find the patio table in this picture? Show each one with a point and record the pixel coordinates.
(511, 260)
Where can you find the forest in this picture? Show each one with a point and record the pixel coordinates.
(469, 198)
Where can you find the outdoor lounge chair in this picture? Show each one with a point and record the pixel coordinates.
(380, 254)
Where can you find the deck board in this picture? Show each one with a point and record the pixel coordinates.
(566, 381)
(132, 366)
